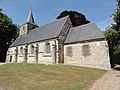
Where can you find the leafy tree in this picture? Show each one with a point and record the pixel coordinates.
(8, 33)
(76, 17)
(117, 17)
(113, 35)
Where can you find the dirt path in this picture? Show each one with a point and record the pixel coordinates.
(110, 81)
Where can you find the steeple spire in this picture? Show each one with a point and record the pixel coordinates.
(28, 25)
(30, 18)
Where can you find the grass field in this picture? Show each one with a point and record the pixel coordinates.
(47, 77)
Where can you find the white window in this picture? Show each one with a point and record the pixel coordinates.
(47, 47)
(21, 50)
(32, 49)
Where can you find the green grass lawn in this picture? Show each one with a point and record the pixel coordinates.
(47, 77)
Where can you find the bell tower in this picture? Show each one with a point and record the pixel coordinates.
(28, 25)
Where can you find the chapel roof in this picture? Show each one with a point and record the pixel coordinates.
(84, 33)
(30, 18)
(48, 31)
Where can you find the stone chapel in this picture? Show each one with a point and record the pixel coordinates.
(59, 42)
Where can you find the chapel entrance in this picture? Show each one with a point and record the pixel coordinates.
(10, 58)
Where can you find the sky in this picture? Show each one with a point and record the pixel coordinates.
(45, 11)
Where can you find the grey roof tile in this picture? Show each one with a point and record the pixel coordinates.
(84, 32)
(50, 30)
(30, 18)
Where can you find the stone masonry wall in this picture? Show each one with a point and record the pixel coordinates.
(42, 57)
(91, 54)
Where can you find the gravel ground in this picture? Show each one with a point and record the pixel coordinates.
(110, 81)
(1, 88)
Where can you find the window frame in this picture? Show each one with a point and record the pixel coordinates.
(32, 49)
(21, 50)
(47, 50)
(86, 50)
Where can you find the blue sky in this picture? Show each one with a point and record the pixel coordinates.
(45, 11)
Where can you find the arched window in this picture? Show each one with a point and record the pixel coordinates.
(47, 47)
(32, 49)
(86, 50)
(21, 50)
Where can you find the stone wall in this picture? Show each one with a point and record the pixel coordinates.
(38, 55)
(90, 54)
(11, 55)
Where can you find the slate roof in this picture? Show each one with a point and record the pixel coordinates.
(30, 18)
(50, 30)
(83, 33)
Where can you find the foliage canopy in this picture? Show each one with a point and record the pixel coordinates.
(8, 33)
(76, 17)
(113, 35)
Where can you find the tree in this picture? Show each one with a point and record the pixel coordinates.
(114, 45)
(113, 35)
(8, 33)
(76, 17)
(117, 17)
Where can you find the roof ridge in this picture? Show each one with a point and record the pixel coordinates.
(52, 22)
(56, 20)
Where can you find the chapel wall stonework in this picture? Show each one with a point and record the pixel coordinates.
(38, 55)
(11, 55)
(96, 56)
